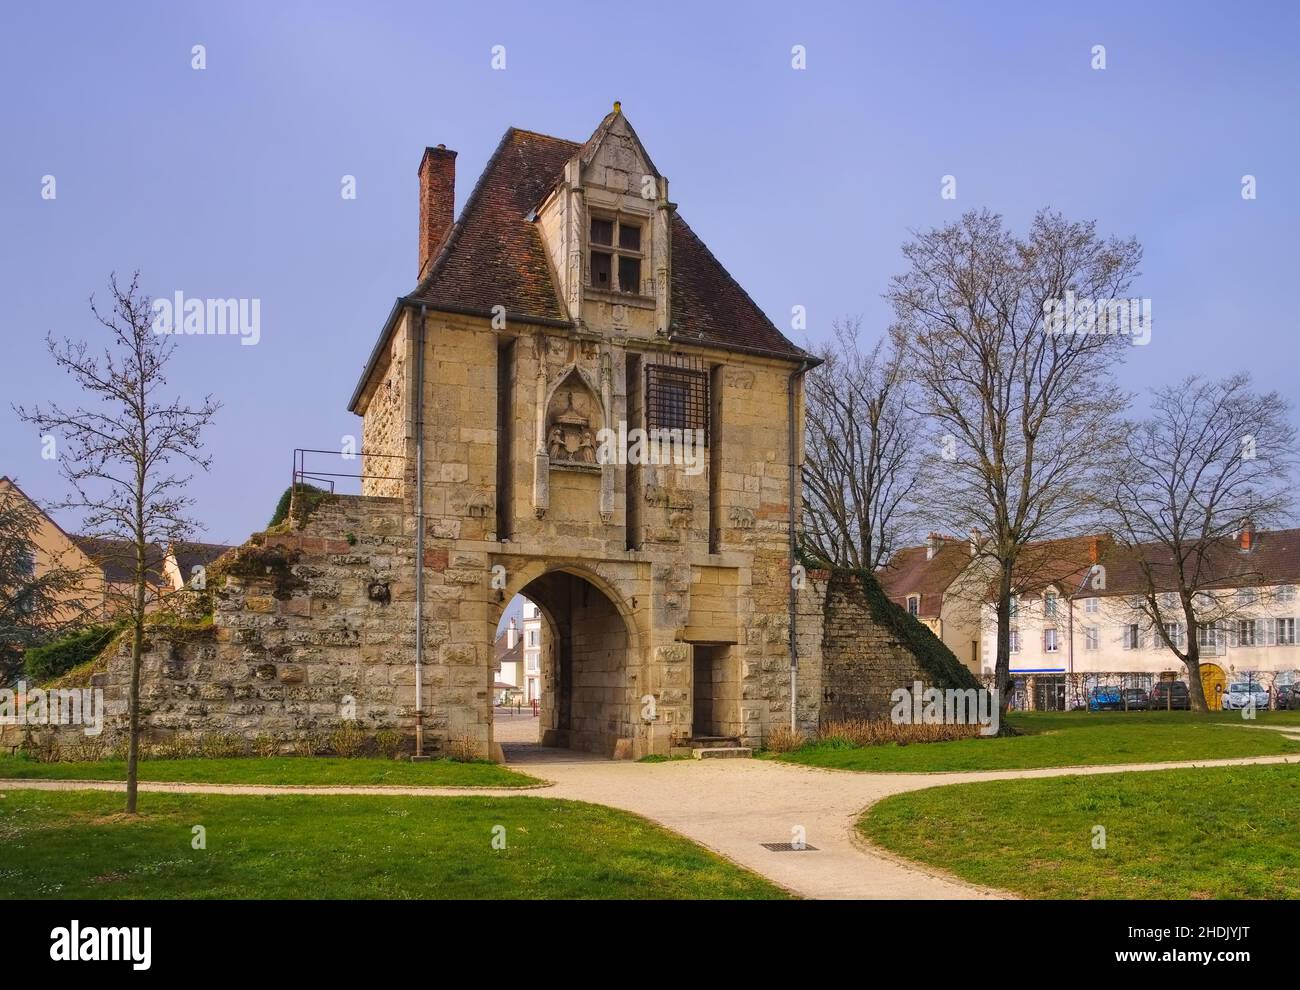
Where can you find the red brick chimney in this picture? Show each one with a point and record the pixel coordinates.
(1247, 535)
(437, 202)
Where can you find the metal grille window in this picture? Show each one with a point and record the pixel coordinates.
(677, 398)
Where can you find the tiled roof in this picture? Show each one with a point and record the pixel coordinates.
(190, 555)
(504, 654)
(1064, 563)
(116, 558)
(1274, 558)
(1061, 563)
(909, 573)
(494, 256)
(709, 304)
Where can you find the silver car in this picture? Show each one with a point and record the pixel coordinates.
(1240, 695)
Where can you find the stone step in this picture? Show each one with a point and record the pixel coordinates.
(712, 742)
(723, 752)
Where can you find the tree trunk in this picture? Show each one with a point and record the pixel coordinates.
(137, 649)
(133, 746)
(1002, 667)
(1195, 689)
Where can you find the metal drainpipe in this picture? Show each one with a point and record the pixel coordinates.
(793, 468)
(419, 537)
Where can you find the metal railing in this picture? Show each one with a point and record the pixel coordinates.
(305, 474)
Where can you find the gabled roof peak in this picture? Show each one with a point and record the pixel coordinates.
(616, 116)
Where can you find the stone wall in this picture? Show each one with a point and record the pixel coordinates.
(312, 627)
(385, 437)
(870, 647)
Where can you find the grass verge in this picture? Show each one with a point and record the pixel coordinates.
(75, 844)
(1067, 739)
(1214, 832)
(295, 770)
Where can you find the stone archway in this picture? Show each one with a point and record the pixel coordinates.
(589, 666)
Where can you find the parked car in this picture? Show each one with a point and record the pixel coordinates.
(1288, 697)
(1105, 699)
(1136, 700)
(1242, 694)
(1169, 694)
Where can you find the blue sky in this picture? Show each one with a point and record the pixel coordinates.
(226, 181)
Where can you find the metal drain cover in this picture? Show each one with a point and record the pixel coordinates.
(787, 847)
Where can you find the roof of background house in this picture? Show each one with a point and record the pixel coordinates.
(1274, 558)
(910, 572)
(8, 484)
(191, 555)
(1062, 563)
(494, 256)
(504, 654)
(116, 558)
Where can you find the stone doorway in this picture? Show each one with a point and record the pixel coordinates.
(713, 700)
(587, 698)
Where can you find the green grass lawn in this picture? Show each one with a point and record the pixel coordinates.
(301, 770)
(75, 844)
(1219, 832)
(1066, 739)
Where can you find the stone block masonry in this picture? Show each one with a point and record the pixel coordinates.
(313, 627)
(870, 647)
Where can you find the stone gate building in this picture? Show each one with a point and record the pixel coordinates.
(566, 318)
(569, 305)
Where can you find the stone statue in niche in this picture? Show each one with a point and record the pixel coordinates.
(570, 434)
(555, 445)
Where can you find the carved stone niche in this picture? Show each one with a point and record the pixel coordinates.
(573, 420)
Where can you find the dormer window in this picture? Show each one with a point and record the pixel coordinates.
(615, 249)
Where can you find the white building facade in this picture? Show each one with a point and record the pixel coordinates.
(1070, 627)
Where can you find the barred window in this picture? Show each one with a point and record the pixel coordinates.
(677, 399)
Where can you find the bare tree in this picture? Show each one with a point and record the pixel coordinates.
(1212, 462)
(861, 462)
(1024, 404)
(116, 452)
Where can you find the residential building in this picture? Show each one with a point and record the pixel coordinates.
(1079, 615)
(533, 626)
(106, 566)
(509, 655)
(183, 563)
(936, 584)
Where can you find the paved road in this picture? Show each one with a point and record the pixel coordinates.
(732, 807)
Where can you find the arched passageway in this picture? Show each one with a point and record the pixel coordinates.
(588, 697)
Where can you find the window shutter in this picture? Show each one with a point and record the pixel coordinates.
(1270, 630)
